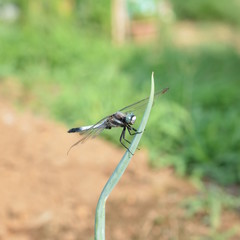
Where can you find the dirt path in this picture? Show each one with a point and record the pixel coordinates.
(45, 194)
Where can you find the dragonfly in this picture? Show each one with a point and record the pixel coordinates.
(124, 118)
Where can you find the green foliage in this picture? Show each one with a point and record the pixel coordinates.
(82, 13)
(204, 87)
(224, 10)
(75, 75)
(94, 15)
(209, 205)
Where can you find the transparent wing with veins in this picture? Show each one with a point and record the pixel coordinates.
(90, 131)
(138, 106)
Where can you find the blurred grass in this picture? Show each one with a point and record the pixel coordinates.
(226, 11)
(80, 77)
(209, 204)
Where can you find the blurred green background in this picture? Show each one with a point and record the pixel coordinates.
(69, 67)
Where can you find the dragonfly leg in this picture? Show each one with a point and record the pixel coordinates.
(123, 137)
(134, 129)
(129, 128)
(136, 132)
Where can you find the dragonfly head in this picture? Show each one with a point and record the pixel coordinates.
(130, 118)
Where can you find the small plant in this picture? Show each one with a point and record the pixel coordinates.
(118, 172)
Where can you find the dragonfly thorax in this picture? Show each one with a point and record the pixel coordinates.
(130, 118)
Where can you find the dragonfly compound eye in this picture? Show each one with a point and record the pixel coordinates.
(133, 119)
(130, 118)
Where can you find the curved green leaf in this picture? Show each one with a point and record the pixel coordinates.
(118, 172)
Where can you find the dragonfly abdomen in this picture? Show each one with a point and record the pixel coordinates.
(74, 130)
(82, 129)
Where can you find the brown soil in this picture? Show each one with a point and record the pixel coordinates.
(45, 194)
(189, 34)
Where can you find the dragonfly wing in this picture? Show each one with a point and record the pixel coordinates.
(91, 131)
(94, 130)
(142, 103)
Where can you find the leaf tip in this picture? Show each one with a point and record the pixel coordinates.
(152, 75)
